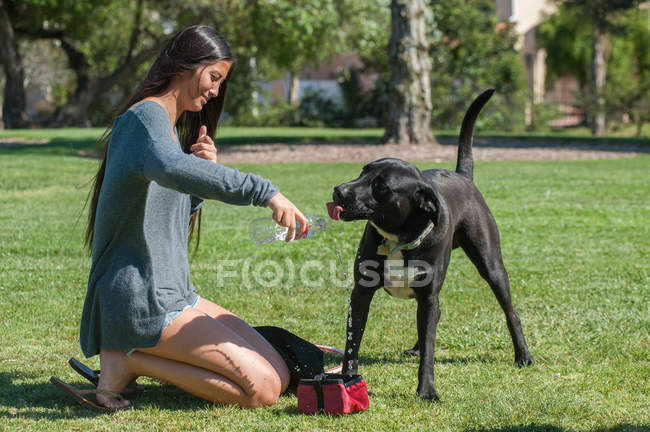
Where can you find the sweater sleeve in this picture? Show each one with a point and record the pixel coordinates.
(166, 164)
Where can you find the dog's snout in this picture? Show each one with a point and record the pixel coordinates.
(339, 193)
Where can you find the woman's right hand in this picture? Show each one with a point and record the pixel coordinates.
(204, 146)
(286, 214)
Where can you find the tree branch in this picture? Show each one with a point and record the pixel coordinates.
(136, 31)
(39, 33)
(129, 65)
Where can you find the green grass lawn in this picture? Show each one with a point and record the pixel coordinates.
(575, 239)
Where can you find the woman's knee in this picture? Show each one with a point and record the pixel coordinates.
(265, 391)
(262, 399)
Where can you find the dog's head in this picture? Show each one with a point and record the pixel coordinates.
(389, 192)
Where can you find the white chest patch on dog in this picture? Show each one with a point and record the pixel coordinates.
(398, 277)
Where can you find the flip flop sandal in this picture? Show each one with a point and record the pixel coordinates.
(91, 375)
(88, 398)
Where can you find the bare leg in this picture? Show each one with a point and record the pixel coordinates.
(203, 356)
(239, 326)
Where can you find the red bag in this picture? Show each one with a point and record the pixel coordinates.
(332, 394)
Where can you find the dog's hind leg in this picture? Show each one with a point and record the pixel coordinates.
(483, 249)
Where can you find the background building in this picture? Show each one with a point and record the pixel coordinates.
(527, 15)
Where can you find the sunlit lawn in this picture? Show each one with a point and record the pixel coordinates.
(575, 239)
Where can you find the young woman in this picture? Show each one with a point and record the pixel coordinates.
(141, 313)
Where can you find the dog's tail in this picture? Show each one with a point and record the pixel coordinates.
(465, 163)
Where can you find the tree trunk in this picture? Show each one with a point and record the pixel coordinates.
(13, 107)
(294, 87)
(252, 64)
(75, 112)
(638, 122)
(409, 119)
(598, 70)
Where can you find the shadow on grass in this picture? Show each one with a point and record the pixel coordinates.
(370, 138)
(42, 400)
(56, 147)
(369, 360)
(624, 145)
(552, 428)
(404, 359)
(89, 146)
(84, 146)
(35, 401)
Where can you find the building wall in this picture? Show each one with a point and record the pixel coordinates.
(526, 15)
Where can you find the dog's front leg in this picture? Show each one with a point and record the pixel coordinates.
(428, 316)
(356, 324)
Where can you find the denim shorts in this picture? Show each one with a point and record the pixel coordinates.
(170, 317)
(173, 314)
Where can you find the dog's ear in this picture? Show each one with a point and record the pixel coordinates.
(426, 199)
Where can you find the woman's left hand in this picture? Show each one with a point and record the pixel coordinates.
(204, 146)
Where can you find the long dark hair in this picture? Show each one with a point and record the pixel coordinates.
(186, 51)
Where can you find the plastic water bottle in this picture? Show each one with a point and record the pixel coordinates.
(265, 230)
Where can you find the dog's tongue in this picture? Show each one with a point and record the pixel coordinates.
(334, 210)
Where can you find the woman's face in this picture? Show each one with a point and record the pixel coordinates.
(203, 84)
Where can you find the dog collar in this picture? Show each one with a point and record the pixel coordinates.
(386, 249)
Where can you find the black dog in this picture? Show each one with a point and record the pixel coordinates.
(415, 219)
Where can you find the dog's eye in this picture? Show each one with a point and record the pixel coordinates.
(379, 190)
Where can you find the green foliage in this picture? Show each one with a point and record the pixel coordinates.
(567, 39)
(316, 110)
(31, 16)
(469, 53)
(367, 28)
(598, 12)
(239, 99)
(286, 35)
(290, 35)
(295, 33)
(543, 113)
(271, 114)
(358, 102)
(628, 84)
(567, 35)
(378, 100)
(472, 51)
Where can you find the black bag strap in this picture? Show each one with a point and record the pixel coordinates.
(319, 396)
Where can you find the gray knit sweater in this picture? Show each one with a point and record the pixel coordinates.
(140, 271)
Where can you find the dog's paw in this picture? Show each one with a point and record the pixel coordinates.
(524, 360)
(415, 351)
(430, 395)
(412, 352)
